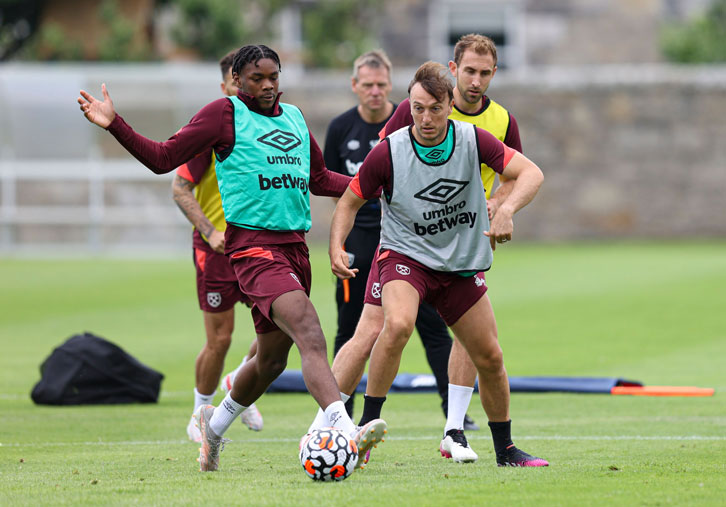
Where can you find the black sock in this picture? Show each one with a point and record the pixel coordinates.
(371, 409)
(502, 435)
(349, 405)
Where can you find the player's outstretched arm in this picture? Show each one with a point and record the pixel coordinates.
(528, 178)
(342, 223)
(99, 112)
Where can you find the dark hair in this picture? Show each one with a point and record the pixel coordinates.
(253, 54)
(433, 77)
(226, 62)
(480, 44)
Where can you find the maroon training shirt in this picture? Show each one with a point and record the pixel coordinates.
(376, 170)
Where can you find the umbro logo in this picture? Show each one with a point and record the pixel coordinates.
(434, 154)
(281, 140)
(441, 191)
(334, 417)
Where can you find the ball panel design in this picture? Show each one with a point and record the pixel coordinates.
(328, 454)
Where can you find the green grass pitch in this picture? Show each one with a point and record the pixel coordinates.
(654, 312)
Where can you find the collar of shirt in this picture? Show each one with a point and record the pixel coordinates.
(251, 102)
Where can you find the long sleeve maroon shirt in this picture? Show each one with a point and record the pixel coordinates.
(213, 127)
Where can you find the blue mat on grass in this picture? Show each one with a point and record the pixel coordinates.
(291, 381)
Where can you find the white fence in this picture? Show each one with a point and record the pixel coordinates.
(66, 186)
(94, 206)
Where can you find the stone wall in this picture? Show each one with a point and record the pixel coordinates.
(635, 152)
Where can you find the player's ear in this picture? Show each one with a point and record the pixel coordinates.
(237, 79)
(222, 87)
(353, 82)
(452, 67)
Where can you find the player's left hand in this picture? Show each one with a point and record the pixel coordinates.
(501, 229)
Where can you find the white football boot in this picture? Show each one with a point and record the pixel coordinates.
(252, 418)
(454, 445)
(193, 432)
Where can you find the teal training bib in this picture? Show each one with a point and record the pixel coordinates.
(264, 180)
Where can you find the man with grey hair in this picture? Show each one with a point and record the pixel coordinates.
(350, 137)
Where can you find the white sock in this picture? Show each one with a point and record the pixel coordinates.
(202, 399)
(321, 420)
(338, 417)
(459, 398)
(224, 415)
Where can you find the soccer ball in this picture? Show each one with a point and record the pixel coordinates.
(328, 454)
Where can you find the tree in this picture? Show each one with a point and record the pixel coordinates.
(18, 21)
(212, 27)
(703, 40)
(119, 43)
(335, 32)
(121, 39)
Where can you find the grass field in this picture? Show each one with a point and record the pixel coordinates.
(653, 312)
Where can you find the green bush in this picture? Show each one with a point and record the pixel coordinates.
(703, 40)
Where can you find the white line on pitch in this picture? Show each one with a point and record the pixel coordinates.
(394, 438)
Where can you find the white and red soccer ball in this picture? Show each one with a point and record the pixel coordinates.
(328, 454)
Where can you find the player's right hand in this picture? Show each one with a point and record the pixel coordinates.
(339, 263)
(216, 241)
(95, 111)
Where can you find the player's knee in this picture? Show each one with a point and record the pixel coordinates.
(313, 344)
(271, 367)
(277, 367)
(220, 343)
(399, 327)
(491, 360)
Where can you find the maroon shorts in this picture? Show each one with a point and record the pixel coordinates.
(217, 286)
(373, 284)
(266, 272)
(452, 295)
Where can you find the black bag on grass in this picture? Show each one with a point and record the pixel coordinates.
(88, 370)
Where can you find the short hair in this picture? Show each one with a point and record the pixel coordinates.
(480, 44)
(253, 53)
(226, 62)
(434, 78)
(374, 59)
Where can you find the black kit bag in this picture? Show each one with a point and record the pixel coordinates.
(88, 370)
